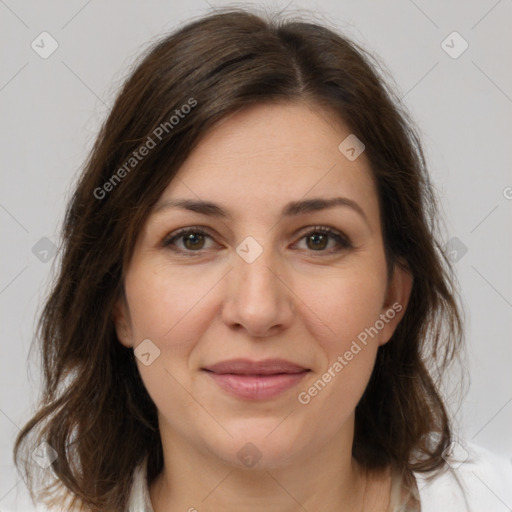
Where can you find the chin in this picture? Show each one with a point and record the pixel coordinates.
(262, 444)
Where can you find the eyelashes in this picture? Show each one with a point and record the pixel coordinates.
(196, 235)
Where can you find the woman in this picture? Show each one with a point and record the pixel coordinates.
(251, 298)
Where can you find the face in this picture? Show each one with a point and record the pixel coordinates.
(262, 273)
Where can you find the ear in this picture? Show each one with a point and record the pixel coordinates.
(395, 302)
(122, 323)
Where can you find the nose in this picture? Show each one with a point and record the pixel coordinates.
(258, 299)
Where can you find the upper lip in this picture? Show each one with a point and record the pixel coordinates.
(248, 367)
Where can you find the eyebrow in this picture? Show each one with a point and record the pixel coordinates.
(291, 209)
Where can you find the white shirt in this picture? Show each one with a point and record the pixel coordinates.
(482, 483)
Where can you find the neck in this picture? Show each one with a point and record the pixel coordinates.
(193, 479)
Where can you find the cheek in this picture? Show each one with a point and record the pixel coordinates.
(167, 308)
(163, 302)
(342, 312)
(346, 305)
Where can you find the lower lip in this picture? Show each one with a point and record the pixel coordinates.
(254, 387)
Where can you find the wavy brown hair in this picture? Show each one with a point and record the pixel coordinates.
(95, 411)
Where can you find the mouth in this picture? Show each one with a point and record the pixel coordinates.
(256, 380)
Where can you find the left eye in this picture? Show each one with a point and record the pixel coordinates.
(318, 240)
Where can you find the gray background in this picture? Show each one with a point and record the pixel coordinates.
(52, 108)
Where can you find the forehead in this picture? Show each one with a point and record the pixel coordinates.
(267, 155)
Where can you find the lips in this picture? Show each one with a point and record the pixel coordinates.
(256, 380)
(247, 367)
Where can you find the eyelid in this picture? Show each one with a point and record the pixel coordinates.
(322, 229)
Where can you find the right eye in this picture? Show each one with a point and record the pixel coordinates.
(187, 240)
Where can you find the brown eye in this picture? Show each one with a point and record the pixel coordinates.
(325, 240)
(317, 241)
(188, 240)
(193, 241)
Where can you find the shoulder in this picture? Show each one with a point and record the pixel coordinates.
(473, 480)
(139, 500)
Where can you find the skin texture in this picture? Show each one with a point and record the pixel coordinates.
(295, 302)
